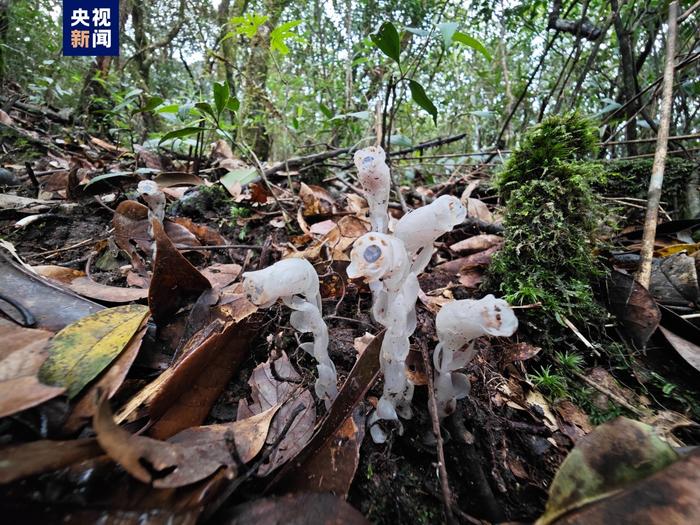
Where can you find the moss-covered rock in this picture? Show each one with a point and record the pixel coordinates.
(551, 217)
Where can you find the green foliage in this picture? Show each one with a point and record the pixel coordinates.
(550, 220)
(421, 98)
(247, 25)
(386, 38)
(551, 383)
(569, 361)
(281, 34)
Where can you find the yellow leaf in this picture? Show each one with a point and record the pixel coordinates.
(79, 352)
(677, 248)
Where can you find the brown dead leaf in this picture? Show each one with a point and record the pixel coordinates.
(5, 118)
(632, 305)
(183, 395)
(22, 353)
(469, 263)
(130, 224)
(188, 457)
(666, 421)
(519, 352)
(477, 209)
(574, 422)
(332, 468)
(221, 274)
(674, 280)
(316, 200)
(359, 381)
(477, 243)
(296, 509)
(174, 280)
(603, 378)
(37, 457)
(266, 391)
(204, 234)
(323, 227)
(83, 285)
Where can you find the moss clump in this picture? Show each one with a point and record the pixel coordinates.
(630, 178)
(557, 139)
(551, 216)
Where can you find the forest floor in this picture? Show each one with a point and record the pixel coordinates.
(503, 445)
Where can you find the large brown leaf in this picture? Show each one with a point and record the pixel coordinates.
(174, 281)
(633, 306)
(52, 305)
(83, 285)
(216, 344)
(334, 435)
(188, 457)
(22, 353)
(294, 423)
(295, 509)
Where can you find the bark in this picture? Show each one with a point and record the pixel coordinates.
(657, 171)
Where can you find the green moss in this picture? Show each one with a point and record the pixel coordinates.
(551, 217)
(630, 178)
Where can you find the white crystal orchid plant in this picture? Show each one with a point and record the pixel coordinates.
(295, 281)
(390, 264)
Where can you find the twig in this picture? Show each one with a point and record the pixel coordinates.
(218, 247)
(32, 175)
(66, 249)
(228, 491)
(612, 395)
(657, 171)
(432, 408)
(576, 331)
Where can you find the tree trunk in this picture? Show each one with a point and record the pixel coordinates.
(254, 132)
(4, 28)
(93, 87)
(629, 76)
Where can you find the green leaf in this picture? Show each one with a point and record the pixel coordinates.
(233, 104)
(471, 42)
(325, 110)
(282, 33)
(421, 98)
(180, 133)
(152, 103)
(248, 25)
(170, 108)
(448, 29)
(221, 94)
(111, 175)
(205, 107)
(386, 38)
(238, 176)
(79, 352)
